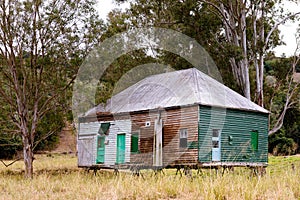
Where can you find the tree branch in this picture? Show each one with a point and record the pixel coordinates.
(276, 26)
(7, 165)
(220, 11)
(43, 138)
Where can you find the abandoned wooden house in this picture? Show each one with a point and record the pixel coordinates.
(180, 118)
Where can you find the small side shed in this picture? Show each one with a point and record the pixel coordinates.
(180, 118)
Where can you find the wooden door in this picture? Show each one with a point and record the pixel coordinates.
(216, 145)
(120, 149)
(100, 149)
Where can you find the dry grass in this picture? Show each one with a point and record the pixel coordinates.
(57, 177)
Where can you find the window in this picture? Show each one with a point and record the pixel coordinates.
(215, 138)
(183, 138)
(215, 144)
(215, 132)
(134, 143)
(103, 130)
(254, 140)
(101, 140)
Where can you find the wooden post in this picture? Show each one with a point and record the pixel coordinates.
(157, 150)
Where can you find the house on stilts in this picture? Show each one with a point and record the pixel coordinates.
(174, 119)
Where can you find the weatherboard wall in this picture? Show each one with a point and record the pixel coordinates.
(145, 132)
(236, 127)
(87, 143)
(173, 120)
(117, 127)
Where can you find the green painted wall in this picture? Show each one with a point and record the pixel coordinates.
(236, 127)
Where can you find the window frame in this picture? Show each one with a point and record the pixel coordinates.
(183, 138)
(216, 139)
(216, 131)
(104, 128)
(100, 141)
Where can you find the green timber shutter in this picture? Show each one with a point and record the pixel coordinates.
(254, 140)
(134, 143)
(104, 128)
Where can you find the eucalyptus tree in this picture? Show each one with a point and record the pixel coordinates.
(252, 27)
(284, 91)
(240, 31)
(42, 44)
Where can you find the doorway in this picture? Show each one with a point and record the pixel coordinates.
(120, 148)
(216, 145)
(100, 149)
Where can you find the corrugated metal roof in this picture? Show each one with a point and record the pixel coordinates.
(95, 110)
(178, 88)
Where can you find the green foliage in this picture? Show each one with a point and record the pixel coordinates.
(9, 145)
(10, 140)
(46, 139)
(43, 43)
(108, 82)
(298, 68)
(47, 136)
(192, 18)
(291, 129)
(278, 72)
(202, 22)
(278, 67)
(280, 144)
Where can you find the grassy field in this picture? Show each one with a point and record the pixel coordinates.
(57, 177)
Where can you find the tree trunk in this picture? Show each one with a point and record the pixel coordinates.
(28, 157)
(235, 32)
(247, 83)
(260, 80)
(244, 62)
(254, 52)
(260, 92)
